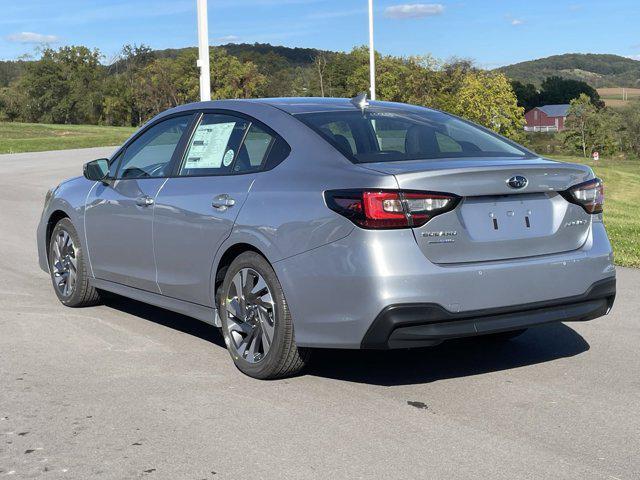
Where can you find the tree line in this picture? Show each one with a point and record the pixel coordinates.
(554, 90)
(71, 85)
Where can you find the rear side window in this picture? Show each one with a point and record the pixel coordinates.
(253, 151)
(279, 151)
(382, 134)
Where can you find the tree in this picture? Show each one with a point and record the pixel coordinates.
(527, 95)
(588, 129)
(64, 86)
(231, 78)
(487, 99)
(320, 64)
(630, 118)
(121, 106)
(558, 90)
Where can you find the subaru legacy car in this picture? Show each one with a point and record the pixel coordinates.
(303, 223)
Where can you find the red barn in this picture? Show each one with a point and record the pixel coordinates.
(549, 118)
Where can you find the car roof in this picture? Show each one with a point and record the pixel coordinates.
(298, 105)
(295, 105)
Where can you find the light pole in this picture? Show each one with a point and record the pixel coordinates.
(203, 51)
(372, 54)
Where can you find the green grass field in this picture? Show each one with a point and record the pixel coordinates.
(622, 197)
(35, 137)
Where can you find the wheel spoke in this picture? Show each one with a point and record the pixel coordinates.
(254, 346)
(259, 288)
(241, 327)
(56, 249)
(242, 304)
(268, 328)
(233, 308)
(249, 280)
(65, 242)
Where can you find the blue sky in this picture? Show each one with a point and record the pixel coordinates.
(492, 32)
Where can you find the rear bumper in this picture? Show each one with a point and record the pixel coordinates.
(336, 291)
(416, 325)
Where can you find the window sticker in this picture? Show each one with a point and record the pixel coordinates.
(209, 146)
(228, 157)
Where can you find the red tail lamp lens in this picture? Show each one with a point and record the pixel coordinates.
(383, 209)
(589, 195)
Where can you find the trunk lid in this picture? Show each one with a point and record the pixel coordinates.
(493, 220)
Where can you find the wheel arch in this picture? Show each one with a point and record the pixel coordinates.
(227, 255)
(53, 220)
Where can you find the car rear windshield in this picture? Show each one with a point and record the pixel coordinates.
(391, 135)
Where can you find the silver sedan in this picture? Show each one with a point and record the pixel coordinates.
(295, 224)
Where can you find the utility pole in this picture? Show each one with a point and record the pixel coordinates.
(203, 51)
(372, 54)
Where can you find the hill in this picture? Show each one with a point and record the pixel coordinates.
(597, 70)
(295, 56)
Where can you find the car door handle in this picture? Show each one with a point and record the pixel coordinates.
(223, 202)
(144, 201)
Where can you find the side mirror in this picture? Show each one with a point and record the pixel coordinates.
(96, 170)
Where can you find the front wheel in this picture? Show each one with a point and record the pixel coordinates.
(256, 323)
(68, 267)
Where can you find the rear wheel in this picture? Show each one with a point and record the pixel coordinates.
(68, 267)
(256, 323)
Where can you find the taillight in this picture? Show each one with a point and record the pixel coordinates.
(376, 209)
(589, 195)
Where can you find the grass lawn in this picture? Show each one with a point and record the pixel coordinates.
(613, 96)
(622, 197)
(36, 137)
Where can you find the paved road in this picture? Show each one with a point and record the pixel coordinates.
(126, 391)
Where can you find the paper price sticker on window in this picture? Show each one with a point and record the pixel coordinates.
(209, 146)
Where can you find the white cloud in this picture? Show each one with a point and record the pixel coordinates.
(517, 21)
(414, 10)
(31, 37)
(634, 57)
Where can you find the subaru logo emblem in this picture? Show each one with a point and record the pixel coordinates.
(517, 182)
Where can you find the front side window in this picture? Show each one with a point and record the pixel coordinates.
(395, 134)
(149, 156)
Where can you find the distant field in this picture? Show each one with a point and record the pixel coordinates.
(613, 96)
(622, 193)
(32, 137)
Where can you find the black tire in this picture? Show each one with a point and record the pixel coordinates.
(284, 358)
(82, 294)
(504, 336)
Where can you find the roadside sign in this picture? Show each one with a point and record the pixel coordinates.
(596, 156)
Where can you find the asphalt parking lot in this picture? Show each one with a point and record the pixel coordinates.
(125, 391)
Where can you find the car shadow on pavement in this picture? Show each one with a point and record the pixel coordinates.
(455, 358)
(169, 319)
(452, 359)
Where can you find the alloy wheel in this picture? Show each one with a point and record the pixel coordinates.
(250, 311)
(65, 263)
